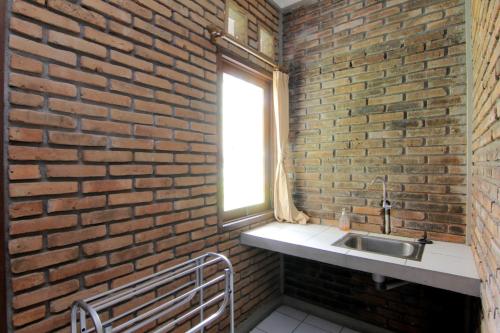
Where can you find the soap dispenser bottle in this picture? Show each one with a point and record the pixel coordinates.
(344, 223)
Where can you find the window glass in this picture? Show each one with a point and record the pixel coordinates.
(236, 22)
(243, 141)
(266, 42)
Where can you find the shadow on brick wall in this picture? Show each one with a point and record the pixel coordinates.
(410, 309)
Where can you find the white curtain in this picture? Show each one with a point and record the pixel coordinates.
(284, 208)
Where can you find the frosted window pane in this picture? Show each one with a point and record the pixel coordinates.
(231, 26)
(237, 22)
(243, 143)
(266, 42)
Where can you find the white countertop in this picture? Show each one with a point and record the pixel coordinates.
(444, 265)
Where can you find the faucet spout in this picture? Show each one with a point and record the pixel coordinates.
(377, 180)
(386, 229)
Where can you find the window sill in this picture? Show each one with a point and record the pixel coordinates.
(247, 220)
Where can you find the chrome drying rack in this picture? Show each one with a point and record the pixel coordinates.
(173, 297)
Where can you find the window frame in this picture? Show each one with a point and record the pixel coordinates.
(252, 214)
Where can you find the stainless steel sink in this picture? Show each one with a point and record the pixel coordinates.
(389, 247)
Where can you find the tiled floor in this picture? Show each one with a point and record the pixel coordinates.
(289, 320)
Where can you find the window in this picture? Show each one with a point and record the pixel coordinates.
(266, 42)
(236, 22)
(246, 153)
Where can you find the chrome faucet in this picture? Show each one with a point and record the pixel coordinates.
(386, 229)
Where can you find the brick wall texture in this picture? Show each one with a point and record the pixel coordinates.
(378, 89)
(112, 155)
(408, 309)
(485, 233)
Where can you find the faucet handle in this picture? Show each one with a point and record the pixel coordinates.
(424, 239)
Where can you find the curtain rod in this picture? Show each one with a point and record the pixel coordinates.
(219, 33)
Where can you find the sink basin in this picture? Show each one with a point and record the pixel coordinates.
(389, 247)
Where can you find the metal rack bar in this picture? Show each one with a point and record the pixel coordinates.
(170, 325)
(169, 306)
(151, 285)
(148, 278)
(199, 279)
(163, 304)
(108, 322)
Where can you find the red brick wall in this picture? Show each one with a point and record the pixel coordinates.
(378, 88)
(485, 157)
(112, 157)
(3, 266)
